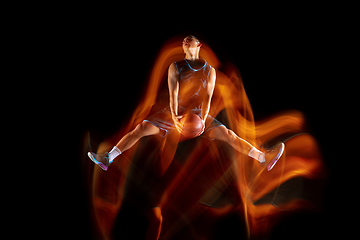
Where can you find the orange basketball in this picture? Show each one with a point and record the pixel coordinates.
(193, 126)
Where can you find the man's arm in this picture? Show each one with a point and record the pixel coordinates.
(208, 95)
(173, 83)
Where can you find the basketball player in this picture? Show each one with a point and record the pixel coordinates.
(191, 85)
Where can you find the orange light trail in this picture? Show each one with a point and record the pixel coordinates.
(191, 178)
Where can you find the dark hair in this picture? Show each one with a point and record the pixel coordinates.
(193, 37)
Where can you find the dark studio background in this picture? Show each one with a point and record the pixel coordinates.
(286, 54)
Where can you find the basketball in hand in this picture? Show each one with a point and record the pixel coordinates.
(192, 126)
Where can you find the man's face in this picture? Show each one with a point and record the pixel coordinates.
(189, 42)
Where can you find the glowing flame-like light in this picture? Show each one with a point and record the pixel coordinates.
(186, 175)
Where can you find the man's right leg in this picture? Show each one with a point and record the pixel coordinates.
(141, 130)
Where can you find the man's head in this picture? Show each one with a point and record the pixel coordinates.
(191, 43)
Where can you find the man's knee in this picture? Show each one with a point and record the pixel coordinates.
(144, 129)
(138, 130)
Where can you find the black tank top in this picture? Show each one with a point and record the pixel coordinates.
(192, 85)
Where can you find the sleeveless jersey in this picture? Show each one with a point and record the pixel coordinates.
(192, 85)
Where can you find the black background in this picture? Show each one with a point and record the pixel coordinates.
(103, 61)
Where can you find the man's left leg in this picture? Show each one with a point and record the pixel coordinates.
(268, 158)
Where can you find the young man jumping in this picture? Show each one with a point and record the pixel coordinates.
(191, 85)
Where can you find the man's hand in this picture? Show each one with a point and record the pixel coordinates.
(203, 121)
(178, 125)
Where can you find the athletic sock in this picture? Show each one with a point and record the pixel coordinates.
(114, 153)
(256, 154)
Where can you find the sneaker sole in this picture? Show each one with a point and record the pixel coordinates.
(276, 159)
